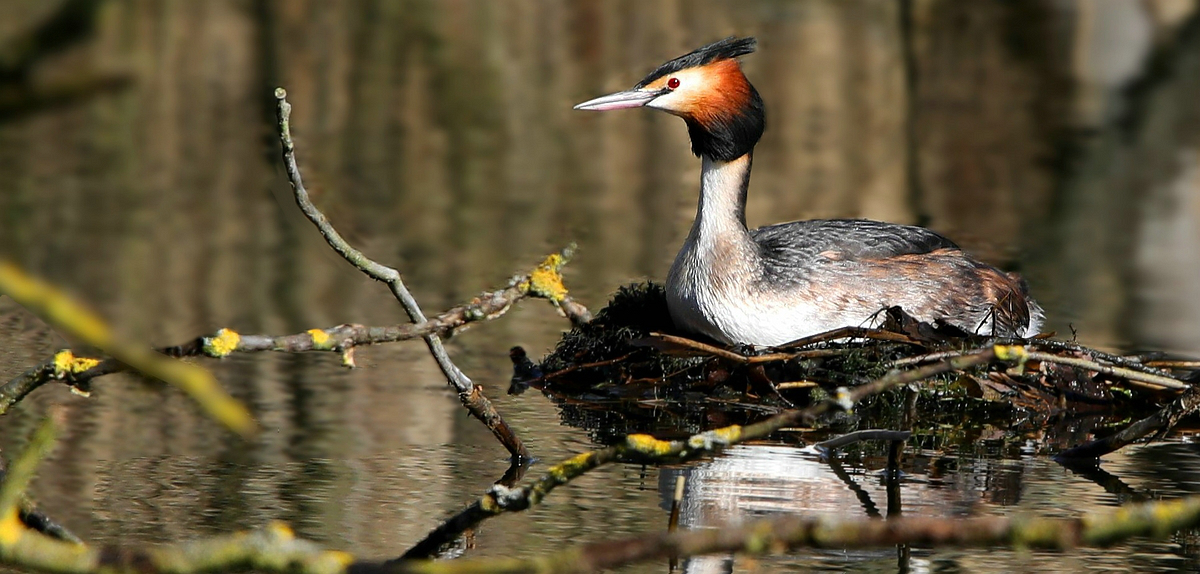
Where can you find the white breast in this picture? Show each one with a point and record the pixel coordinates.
(728, 306)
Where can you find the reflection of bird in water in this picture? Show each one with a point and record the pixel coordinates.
(747, 482)
(779, 283)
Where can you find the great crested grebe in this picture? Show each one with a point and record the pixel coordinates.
(778, 283)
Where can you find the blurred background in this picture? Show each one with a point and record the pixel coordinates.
(139, 170)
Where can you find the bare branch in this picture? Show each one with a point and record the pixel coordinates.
(472, 398)
(376, 271)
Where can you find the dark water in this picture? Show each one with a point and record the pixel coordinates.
(1059, 139)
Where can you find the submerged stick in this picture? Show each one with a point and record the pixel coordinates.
(861, 435)
(673, 518)
(33, 518)
(468, 394)
(676, 502)
(1160, 422)
(645, 449)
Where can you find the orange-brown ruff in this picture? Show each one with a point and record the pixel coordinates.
(776, 284)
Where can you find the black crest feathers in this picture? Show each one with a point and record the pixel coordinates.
(728, 48)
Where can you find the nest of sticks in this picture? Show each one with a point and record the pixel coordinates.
(628, 370)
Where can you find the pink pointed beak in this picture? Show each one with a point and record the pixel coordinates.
(619, 101)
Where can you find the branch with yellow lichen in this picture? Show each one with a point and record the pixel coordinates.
(273, 548)
(645, 449)
(60, 311)
(545, 281)
(77, 372)
(774, 535)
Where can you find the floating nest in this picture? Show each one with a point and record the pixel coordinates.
(630, 371)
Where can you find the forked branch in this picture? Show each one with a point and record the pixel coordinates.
(470, 396)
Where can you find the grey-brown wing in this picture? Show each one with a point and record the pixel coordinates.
(803, 242)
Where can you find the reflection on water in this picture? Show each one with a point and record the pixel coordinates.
(754, 481)
(1057, 138)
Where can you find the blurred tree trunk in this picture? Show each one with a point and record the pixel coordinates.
(989, 79)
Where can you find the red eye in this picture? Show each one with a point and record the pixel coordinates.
(673, 83)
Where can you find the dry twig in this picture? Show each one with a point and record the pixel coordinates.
(676, 345)
(1138, 374)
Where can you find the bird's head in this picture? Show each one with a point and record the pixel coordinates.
(705, 87)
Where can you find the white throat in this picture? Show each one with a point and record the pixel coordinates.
(722, 207)
(717, 262)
